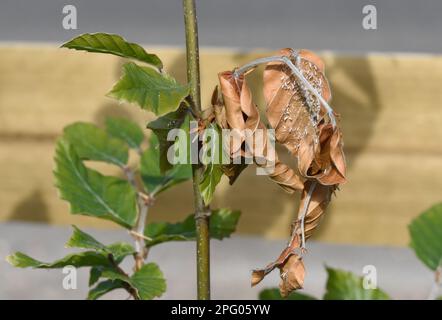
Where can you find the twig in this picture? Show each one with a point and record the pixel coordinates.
(144, 201)
(437, 284)
(296, 72)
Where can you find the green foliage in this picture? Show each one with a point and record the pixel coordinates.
(178, 119)
(222, 224)
(151, 90)
(91, 193)
(99, 257)
(112, 44)
(80, 239)
(93, 143)
(343, 285)
(148, 282)
(125, 130)
(273, 294)
(212, 151)
(120, 200)
(104, 287)
(154, 180)
(426, 236)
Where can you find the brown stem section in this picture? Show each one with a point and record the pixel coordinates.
(202, 212)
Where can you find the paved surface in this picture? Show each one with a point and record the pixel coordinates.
(403, 25)
(399, 272)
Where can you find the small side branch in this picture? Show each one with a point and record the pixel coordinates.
(144, 201)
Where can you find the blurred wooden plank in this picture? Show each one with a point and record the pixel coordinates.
(390, 117)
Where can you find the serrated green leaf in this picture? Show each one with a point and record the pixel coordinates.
(104, 287)
(153, 179)
(120, 250)
(211, 177)
(213, 172)
(94, 275)
(273, 294)
(161, 127)
(149, 281)
(93, 143)
(151, 90)
(125, 130)
(89, 192)
(222, 224)
(426, 236)
(343, 285)
(112, 44)
(80, 239)
(78, 260)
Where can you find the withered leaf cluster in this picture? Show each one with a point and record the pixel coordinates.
(304, 127)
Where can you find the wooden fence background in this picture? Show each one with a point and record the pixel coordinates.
(391, 117)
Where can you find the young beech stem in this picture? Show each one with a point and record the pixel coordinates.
(144, 201)
(202, 212)
(296, 72)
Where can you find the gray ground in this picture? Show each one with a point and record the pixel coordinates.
(403, 25)
(399, 272)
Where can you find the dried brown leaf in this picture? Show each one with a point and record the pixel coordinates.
(241, 113)
(292, 275)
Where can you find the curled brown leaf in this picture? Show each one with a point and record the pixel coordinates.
(242, 115)
(306, 128)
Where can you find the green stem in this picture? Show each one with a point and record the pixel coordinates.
(202, 211)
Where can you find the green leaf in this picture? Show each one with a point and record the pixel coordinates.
(161, 127)
(343, 285)
(151, 90)
(273, 294)
(78, 260)
(426, 236)
(153, 179)
(93, 143)
(125, 130)
(213, 173)
(149, 281)
(94, 275)
(120, 250)
(211, 177)
(104, 287)
(89, 192)
(112, 44)
(222, 224)
(80, 239)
